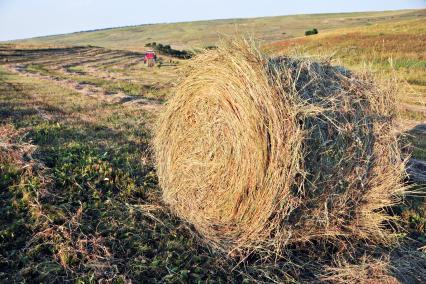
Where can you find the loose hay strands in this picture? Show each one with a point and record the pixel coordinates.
(260, 153)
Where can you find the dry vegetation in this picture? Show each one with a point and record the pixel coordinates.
(200, 34)
(262, 154)
(389, 49)
(80, 200)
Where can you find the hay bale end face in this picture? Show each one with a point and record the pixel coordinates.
(258, 153)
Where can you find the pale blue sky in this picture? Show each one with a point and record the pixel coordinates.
(29, 18)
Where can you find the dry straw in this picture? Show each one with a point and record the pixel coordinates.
(259, 153)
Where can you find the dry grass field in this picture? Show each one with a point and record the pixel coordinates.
(79, 198)
(200, 34)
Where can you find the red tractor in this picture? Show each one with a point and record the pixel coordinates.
(150, 58)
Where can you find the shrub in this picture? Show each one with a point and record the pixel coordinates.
(168, 50)
(311, 32)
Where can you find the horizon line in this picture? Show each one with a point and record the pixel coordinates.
(203, 20)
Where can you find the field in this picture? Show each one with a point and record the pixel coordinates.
(388, 49)
(195, 35)
(79, 196)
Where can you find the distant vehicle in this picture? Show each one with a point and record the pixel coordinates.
(150, 58)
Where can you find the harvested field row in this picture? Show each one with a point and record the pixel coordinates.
(97, 70)
(92, 90)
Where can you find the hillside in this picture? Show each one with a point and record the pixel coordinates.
(199, 34)
(396, 48)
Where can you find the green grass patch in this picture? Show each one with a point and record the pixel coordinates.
(93, 210)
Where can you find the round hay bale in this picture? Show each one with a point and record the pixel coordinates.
(258, 153)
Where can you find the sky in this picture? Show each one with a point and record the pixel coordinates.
(29, 18)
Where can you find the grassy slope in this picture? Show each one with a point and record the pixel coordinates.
(203, 33)
(388, 49)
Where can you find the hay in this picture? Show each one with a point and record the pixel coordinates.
(259, 153)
